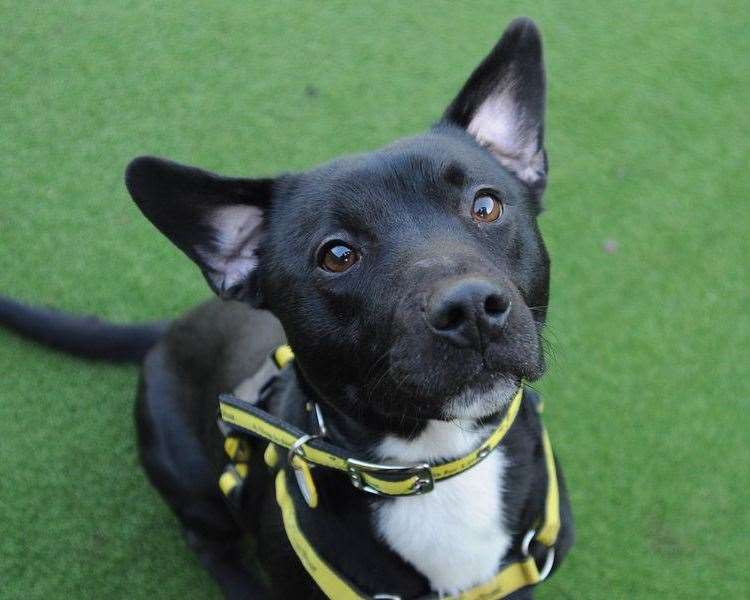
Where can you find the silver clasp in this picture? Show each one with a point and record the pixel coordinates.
(548, 561)
(424, 481)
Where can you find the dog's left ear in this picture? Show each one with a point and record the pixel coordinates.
(502, 103)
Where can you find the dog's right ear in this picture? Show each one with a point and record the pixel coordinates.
(217, 221)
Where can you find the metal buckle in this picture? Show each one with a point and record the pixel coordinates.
(548, 561)
(424, 483)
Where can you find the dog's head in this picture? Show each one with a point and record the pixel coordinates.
(411, 280)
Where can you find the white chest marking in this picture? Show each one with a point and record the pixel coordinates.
(455, 535)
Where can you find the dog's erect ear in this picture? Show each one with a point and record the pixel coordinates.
(217, 221)
(502, 103)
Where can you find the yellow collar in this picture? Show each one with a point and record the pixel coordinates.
(306, 450)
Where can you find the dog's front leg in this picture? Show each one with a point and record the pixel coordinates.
(178, 466)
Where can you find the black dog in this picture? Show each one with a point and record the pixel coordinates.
(412, 285)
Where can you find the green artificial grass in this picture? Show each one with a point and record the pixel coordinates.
(648, 387)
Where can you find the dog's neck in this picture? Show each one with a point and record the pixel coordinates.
(367, 433)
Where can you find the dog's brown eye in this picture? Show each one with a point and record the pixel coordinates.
(486, 208)
(337, 257)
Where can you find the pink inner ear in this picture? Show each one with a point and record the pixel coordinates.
(231, 255)
(499, 125)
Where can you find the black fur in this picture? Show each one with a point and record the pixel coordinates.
(368, 346)
(87, 337)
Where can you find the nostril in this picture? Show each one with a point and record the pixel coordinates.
(450, 317)
(467, 312)
(495, 305)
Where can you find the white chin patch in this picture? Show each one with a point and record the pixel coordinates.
(476, 405)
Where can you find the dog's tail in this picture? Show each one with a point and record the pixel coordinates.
(83, 336)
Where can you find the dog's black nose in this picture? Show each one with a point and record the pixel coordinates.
(467, 312)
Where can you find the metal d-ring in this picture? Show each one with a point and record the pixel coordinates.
(548, 561)
(296, 447)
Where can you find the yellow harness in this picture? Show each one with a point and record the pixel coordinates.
(305, 450)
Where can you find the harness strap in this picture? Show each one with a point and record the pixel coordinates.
(331, 583)
(512, 577)
(550, 528)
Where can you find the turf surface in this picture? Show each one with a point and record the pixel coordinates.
(647, 223)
